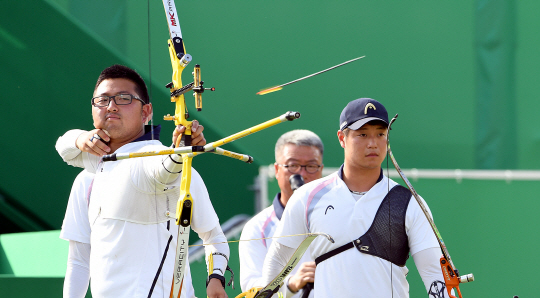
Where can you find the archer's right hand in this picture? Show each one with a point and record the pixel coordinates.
(94, 142)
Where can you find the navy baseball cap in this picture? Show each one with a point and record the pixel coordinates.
(360, 111)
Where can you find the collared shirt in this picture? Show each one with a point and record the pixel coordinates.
(326, 205)
(148, 133)
(278, 207)
(252, 253)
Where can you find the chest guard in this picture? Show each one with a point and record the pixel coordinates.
(386, 238)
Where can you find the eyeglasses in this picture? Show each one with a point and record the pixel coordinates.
(119, 99)
(296, 168)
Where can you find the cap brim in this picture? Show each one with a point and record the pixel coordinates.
(356, 125)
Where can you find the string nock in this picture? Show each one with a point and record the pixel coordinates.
(466, 278)
(328, 237)
(292, 115)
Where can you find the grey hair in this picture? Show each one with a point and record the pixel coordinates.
(298, 137)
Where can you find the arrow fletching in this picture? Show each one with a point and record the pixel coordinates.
(269, 90)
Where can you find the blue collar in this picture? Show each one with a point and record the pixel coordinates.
(340, 174)
(278, 207)
(148, 133)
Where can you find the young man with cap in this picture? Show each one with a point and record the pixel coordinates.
(358, 204)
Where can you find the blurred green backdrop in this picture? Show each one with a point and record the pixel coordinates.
(460, 74)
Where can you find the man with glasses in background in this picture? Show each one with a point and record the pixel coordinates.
(296, 152)
(132, 242)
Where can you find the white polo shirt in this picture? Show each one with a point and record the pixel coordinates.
(327, 205)
(131, 253)
(252, 253)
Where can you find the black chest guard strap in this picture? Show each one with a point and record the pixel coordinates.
(386, 238)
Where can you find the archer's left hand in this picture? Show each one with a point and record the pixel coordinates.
(215, 289)
(197, 136)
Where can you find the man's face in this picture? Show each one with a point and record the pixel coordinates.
(300, 155)
(365, 148)
(122, 122)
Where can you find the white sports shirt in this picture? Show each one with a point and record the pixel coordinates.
(327, 205)
(252, 253)
(76, 229)
(132, 248)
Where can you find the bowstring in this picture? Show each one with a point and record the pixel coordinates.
(233, 241)
(149, 86)
(149, 68)
(389, 206)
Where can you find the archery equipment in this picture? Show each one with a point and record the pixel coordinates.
(277, 88)
(452, 279)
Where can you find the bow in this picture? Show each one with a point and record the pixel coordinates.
(276, 283)
(452, 279)
(179, 60)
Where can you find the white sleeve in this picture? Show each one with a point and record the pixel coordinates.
(277, 257)
(65, 145)
(427, 263)
(293, 221)
(78, 270)
(169, 168)
(251, 254)
(76, 226)
(204, 215)
(219, 250)
(419, 232)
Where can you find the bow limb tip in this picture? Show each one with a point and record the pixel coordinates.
(328, 237)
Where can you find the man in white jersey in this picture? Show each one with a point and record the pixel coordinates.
(296, 152)
(132, 237)
(370, 216)
(76, 229)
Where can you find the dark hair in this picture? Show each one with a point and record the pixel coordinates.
(123, 72)
(372, 122)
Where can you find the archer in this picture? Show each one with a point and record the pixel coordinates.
(374, 221)
(132, 239)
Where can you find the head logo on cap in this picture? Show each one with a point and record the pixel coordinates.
(352, 117)
(369, 105)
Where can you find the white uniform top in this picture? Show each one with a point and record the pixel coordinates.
(126, 255)
(252, 253)
(77, 228)
(327, 205)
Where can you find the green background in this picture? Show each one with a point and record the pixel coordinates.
(462, 75)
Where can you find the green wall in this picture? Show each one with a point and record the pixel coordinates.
(420, 62)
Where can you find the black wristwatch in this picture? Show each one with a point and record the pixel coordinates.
(214, 275)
